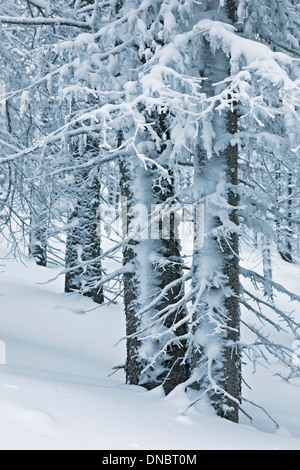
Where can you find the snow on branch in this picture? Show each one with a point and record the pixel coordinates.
(44, 22)
(248, 273)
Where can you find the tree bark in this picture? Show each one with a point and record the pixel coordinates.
(83, 239)
(38, 241)
(38, 235)
(216, 264)
(156, 263)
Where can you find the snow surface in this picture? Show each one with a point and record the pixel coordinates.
(56, 393)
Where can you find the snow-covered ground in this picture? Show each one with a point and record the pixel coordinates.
(56, 393)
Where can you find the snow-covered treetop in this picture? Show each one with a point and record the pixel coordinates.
(143, 57)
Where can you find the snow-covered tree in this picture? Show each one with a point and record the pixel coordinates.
(155, 87)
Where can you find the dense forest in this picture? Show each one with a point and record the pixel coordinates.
(125, 121)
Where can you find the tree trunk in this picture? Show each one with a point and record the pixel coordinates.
(267, 267)
(83, 245)
(284, 238)
(216, 264)
(287, 254)
(168, 247)
(156, 262)
(38, 235)
(38, 241)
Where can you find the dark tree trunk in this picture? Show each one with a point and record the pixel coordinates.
(284, 237)
(38, 236)
(83, 245)
(231, 373)
(140, 186)
(168, 247)
(286, 252)
(131, 281)
(216, 264)
(38, 244)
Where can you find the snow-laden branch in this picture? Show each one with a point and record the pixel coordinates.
(41, 21)
(248, 273)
